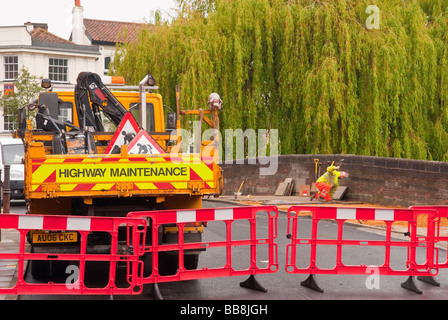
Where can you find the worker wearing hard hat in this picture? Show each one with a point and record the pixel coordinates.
(328, 183)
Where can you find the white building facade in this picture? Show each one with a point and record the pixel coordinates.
(44, 55)
(91, 47)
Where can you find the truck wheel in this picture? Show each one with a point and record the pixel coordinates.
(191, 261)
(168, 264)
(49, 270)
(147, 264)
(40, 270)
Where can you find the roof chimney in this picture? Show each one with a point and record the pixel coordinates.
(29, 26)
(78, 34)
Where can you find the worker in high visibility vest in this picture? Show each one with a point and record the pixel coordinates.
(328, 183)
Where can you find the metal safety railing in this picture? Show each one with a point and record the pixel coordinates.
(315, 242)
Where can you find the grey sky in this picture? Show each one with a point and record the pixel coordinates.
(58, 13)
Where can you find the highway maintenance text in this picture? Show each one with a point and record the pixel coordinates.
(122, 172)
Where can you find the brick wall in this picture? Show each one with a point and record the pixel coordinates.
(384, 181)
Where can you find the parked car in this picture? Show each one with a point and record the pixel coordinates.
(12, 152)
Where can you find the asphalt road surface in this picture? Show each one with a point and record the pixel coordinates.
(282, 285)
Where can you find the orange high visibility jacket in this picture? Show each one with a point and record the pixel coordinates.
(331, 177)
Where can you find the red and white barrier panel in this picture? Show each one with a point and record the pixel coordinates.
(441, 235)
(184, 219)
(344, 213)
(413, 266)
(441, 238)
(200, 215)
(73, 281)
(34, 222)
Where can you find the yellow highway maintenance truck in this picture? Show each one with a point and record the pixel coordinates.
(75, 165)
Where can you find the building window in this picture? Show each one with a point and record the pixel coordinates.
(58, 70)
(11, 64)
(65, 114)
(10, 119)
(107, 62)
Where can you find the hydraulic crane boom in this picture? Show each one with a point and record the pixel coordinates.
(91, 95)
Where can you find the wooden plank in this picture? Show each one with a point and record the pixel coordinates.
(281, 189)
(340, 193)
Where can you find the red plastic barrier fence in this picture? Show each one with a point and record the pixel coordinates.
(315, 242)
(127, 254)
(443, 214)
(229, 216)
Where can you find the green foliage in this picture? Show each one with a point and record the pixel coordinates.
(201, 7)
(310, 68)
(27, 87)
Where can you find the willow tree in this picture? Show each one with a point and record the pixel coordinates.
(313, 69)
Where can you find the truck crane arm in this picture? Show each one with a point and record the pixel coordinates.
(91, 95)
